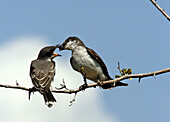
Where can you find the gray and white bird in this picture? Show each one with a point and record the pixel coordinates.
(86, 59)
(42, 71)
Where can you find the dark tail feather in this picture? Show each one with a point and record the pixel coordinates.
(48, 98)
(112, 85)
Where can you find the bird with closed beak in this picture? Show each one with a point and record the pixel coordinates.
(42, 71)
(88, 62)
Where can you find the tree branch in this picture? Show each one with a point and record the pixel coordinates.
(160, 9)
(70, 91)
(14, 87)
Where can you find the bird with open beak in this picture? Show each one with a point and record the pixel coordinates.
(88, 63)
(42, 71)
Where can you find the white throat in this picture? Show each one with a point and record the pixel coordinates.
(79, 51)
(48, 59)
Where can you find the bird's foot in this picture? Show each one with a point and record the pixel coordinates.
(100, 83)
(82, 69)
(31, 90)
(83, 87)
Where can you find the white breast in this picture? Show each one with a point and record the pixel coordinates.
(93, 70)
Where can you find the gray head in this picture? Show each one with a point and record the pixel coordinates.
(48, 52)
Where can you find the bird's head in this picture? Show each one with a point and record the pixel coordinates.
(71, 43)
(48, 52)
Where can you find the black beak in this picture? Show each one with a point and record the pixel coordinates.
(57, 45)
(61, 47)
(59, 55)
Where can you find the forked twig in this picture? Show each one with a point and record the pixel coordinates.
(73, 100)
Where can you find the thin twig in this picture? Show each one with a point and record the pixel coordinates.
(17, 84)
(139, 79)
(73, 100)
(160, 9)
(121, 71)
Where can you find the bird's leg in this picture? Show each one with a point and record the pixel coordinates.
(99, 83)
(33, 89)
(84, 75)
(84, 78)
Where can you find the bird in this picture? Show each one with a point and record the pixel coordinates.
(42, 72)
(87, 62)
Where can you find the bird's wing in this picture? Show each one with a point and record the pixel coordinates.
(97, 58)
(71, 62)
(42, 74)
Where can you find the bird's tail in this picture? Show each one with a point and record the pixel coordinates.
(48, 98)
(112, 85)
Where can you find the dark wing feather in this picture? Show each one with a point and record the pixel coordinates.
(42, 74)
(71, 62)
(97, 58)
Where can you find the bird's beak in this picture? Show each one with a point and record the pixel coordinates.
(57, 45)
(55, 54)
(61, 47)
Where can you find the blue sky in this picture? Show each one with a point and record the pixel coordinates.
(134, 33)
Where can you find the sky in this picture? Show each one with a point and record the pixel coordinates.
(134, 33)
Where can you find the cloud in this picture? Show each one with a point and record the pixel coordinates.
(15, 106)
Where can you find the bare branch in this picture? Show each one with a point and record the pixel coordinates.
(14, 87)
(160, 9)
(91, 85)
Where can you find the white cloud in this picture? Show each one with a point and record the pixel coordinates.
(15, 106)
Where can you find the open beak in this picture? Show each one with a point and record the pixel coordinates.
(55, 54)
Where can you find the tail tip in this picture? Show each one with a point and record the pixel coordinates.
(49, 104)
(113, 85)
